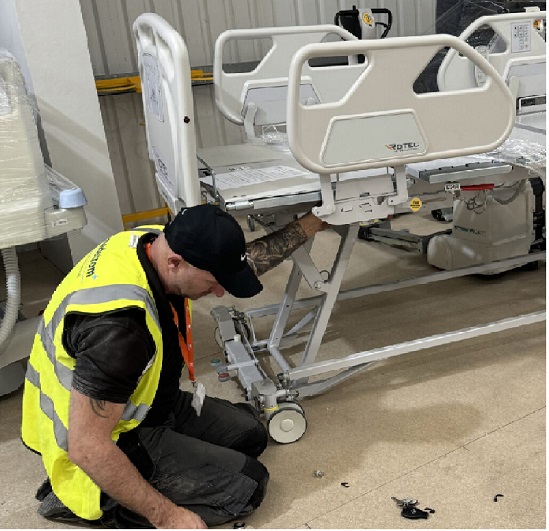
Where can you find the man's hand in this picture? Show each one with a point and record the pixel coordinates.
(179, 518)
(310, 224)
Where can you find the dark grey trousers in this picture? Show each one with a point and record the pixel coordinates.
(205, 463)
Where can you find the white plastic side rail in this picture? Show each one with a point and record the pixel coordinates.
(164, 67)
(381, 121)
(232, 88)
(523, 46)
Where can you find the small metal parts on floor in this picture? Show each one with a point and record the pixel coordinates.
(497, 496)
(318, 474)
(345, 484)
(409, 509)
(239, 525)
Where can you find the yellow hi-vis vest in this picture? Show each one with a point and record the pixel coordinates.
(109, 278)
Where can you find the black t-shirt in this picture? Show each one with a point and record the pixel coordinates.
(113, 349)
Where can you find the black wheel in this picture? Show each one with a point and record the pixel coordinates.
(437, 214)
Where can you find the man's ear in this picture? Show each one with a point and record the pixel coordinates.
(174, 261)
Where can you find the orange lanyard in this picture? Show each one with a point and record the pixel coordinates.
(186, 347)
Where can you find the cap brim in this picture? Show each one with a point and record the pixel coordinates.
(242, 284)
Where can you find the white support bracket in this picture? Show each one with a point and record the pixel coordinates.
(249, 120)
(401, 187)
(328, 205)
(361, 199)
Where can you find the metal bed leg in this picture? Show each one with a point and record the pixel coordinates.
(332, 290)
(287, 302)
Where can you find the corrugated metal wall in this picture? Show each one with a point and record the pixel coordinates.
(112, 50)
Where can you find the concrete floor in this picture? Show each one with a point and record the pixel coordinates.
(451, 426)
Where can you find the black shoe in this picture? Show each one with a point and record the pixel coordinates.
(43, 490)
(53, 508)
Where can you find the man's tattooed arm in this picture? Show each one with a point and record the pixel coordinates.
(98, 407)
(270, 250)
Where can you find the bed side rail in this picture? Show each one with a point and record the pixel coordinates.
(381, 121)
(233, 90)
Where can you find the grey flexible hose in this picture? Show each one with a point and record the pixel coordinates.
(13, 291)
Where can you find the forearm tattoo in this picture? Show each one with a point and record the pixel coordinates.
(97, 407)
(270, 250)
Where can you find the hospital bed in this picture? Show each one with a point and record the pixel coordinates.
(352, 150)
(514, 44)
(36, 203)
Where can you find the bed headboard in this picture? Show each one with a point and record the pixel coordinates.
(381, 121)
(165, 72)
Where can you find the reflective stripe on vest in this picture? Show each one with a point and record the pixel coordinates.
(46, 405)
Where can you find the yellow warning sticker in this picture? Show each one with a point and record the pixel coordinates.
(415, 204)
(367, 19)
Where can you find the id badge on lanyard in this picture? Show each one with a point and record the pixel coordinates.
(187, 350)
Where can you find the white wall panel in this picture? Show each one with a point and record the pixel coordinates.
(95, 37)
(194, 27)
(125, 131)
(285, 13)
(108, 24)
(112, 18)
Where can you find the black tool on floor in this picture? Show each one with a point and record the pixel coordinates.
(413, 513)
(409, 509)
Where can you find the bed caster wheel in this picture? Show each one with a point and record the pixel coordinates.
(437, 214)
(287, 424)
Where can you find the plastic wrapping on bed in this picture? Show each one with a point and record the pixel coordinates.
(24, 190)
(271, 135)
(519, 152)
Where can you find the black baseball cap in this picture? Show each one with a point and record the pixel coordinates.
(212, 240)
